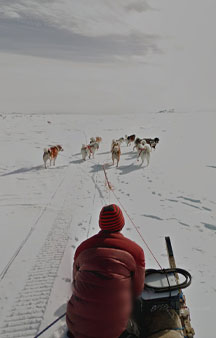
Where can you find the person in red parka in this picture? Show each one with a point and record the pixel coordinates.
(108, 274)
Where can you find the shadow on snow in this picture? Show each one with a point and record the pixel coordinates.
(23, 170)
(99, 167)
(211, 166)
(77, 161)
(129, 168)
(32, 169)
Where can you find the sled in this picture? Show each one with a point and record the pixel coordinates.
(161, 311)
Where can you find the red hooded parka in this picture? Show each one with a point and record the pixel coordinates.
(108, 273)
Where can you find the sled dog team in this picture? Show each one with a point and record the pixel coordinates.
(142, 146)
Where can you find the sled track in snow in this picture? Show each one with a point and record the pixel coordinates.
(5, 270)
(26, 315)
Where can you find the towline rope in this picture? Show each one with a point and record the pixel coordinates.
(51, 324)
(117, 198)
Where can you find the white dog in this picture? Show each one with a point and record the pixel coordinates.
(144, 151)
(91, 149)
(84, 152)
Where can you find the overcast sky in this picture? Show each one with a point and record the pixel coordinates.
(107, 56)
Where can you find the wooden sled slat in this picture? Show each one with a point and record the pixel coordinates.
(184, 310)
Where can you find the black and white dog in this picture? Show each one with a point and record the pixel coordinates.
(152, 141)
(129, 139)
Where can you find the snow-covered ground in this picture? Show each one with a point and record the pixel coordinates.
(46, 214)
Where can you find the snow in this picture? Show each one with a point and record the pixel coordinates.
(46, 214)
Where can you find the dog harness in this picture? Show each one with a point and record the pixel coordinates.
(142, 150)
(89, 147)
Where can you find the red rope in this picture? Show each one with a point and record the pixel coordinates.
(110, 187)
(108, 183)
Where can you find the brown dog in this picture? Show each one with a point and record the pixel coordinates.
(116, 152)
(51, 154)
(98, 139)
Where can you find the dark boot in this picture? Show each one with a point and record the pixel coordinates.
(69, 334)
(132, 330)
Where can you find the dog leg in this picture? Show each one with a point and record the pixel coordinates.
(142, 160)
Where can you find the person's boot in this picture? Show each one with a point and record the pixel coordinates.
(69, 334)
